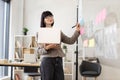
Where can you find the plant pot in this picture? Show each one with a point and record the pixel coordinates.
(25, 33)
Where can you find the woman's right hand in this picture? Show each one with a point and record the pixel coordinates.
(78, 27)
(51, 46)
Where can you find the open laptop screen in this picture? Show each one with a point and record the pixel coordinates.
(49, 35)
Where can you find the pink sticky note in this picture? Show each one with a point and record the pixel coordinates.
(100, 17)
(82, 31)
(85, 43)
(103, 14)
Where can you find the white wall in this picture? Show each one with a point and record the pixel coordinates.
(64, 12)
(16, 22)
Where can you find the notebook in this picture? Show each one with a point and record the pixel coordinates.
(49, 35)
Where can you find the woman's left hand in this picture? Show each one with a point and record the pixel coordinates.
(51, 46)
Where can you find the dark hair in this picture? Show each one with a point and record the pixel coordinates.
(43, 16)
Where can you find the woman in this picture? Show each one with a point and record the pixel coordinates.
(51, 63)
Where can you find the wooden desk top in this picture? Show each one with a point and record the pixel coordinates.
(20, 64)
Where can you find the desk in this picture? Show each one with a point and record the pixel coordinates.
(19, 64)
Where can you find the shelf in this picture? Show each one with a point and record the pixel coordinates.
(24, 44)
(68, 74)
(68, 62)
(68, 66)
(24, 35)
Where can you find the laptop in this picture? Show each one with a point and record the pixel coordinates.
(49, 35)
(30, 58)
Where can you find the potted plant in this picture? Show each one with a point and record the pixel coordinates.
(65, 51)
(65, 48)
(25, 30)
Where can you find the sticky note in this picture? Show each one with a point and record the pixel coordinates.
(82, 31)
(101, 16)
(85, 43)
(81, 21)
(91, 43)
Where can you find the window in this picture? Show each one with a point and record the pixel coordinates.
(1, 32)
(4, 33)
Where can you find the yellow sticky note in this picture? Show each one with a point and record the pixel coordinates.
(92, 43)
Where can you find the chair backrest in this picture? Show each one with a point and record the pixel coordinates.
(30, 69)
(90, 66)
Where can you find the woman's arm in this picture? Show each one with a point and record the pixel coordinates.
(51, 46)
(71, 40)
(41, 49)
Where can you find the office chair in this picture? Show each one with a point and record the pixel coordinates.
(90, 69)
(33, 75)
(32, 72)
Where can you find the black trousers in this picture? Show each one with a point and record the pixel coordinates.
(52, 68)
